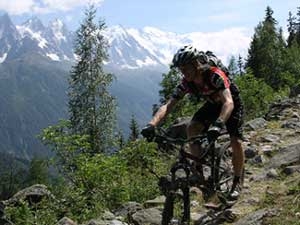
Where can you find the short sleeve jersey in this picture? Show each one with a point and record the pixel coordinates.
(214, 80)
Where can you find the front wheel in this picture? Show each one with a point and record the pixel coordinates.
(177, 208)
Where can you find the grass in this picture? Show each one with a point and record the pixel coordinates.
(282, 195)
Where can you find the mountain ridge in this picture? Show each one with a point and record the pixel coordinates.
(130, 48)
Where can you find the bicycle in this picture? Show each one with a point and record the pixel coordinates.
(183, 175)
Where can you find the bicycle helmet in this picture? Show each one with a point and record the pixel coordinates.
(186, 54)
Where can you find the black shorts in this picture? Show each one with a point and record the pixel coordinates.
(209, 112)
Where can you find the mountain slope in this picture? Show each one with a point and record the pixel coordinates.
(32, 97)
(35, 61)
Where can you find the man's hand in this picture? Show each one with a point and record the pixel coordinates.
(214, 131)
(148, 132)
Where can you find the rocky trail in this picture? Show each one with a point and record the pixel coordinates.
(271, 191)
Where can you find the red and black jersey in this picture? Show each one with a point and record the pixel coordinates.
(214, 80)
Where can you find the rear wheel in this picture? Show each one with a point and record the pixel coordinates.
(225, 168)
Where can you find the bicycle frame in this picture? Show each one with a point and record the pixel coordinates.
(169, 187)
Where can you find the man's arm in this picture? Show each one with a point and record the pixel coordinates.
(227, 104)
(163, 111)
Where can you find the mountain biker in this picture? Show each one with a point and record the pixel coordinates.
(223, 107)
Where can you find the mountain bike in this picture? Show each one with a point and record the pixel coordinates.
(215, 176)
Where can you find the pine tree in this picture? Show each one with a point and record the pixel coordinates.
(38, 172)
(292, 29)
(240, 65)
(297, 26)
(233, 67)
(266, 53)
(120, 139)
(91, 107)
(134, 128)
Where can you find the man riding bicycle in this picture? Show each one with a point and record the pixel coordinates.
(222, 108)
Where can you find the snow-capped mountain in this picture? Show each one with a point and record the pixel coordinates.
(53, 41)
(9, 37)
(129, 48)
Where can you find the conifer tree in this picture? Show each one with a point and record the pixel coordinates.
(292, 29)
(240, 65)
(38, 172)
(233, 67)
(134, 128)
(120, 139)
(266, 53)
(91, 107)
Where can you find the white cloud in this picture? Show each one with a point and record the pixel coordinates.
(67, 5)
(17, 7)
(226, 43)
(224, 17)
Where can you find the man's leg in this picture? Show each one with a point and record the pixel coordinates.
(238, 156)
(238, 159)
(195, 128)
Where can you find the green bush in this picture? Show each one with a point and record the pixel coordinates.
(257, 95)
(43, 213)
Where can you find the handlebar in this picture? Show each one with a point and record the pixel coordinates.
(163, 135)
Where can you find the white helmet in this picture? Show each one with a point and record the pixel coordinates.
(186, 54)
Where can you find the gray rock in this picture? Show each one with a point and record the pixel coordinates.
(282, 109)
(267, 150)
(272, 173)
(108, 216)
(270, 138)
(106, 222)
(117, 222)
(147, 216)
(252, 201)
(291, 169)
(128, 209)
(259, 159)
(290, 124)
(296, 115)
(159, 200)
(66, 221)
(255, 124)
(250, 152)
(288, 155)
(32, 194)
(256, 218)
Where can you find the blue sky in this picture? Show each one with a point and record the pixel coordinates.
(179, 16)
(225, 26)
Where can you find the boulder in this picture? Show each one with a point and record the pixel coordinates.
(255, 124)
(32, 194)
(106, 222)
(256, 218)
(286, 156)
(147, 216)
(66, 221)
(128, 209)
